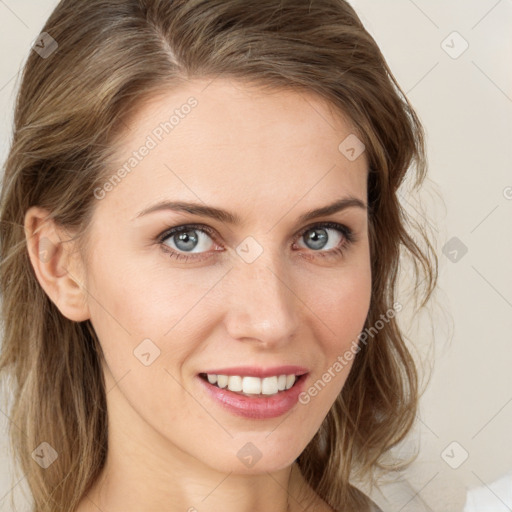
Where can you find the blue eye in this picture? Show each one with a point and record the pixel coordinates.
(189, 237)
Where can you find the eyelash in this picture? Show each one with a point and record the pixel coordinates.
(348, 239)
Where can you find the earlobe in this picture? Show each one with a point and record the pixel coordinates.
(56, 267)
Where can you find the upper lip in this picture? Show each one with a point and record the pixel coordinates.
(255, 371)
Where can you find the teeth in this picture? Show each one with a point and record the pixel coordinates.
(253, 385)
(269, 386)
(250, 385)
(222, 381)
(235, 383)
(290, 379)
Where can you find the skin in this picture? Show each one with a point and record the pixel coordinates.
(268, 157)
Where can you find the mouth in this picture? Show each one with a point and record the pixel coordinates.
(252, 386)
(255, 393)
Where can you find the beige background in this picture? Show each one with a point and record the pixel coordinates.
(465, 103)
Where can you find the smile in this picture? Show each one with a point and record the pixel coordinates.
(269, 395)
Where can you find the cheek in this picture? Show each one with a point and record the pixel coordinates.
(342, 302)
(150, 321)
(144, 297)
(340, 313)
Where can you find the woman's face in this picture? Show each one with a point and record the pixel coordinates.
(257, 286)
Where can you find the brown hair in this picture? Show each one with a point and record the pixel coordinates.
(111, 56)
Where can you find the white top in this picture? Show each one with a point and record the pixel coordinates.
(497, 497)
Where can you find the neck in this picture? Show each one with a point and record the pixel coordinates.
(186, 487)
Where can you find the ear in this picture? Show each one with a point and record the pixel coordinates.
(57, 266)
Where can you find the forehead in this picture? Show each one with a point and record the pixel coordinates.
(220, 141)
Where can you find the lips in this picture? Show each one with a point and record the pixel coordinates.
(269, 402)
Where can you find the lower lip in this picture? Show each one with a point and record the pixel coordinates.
(257, 407)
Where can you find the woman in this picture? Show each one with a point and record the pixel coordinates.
(199, 218)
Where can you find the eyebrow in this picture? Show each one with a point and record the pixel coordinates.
(232, 218)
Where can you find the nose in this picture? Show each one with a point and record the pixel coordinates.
(261, 305)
